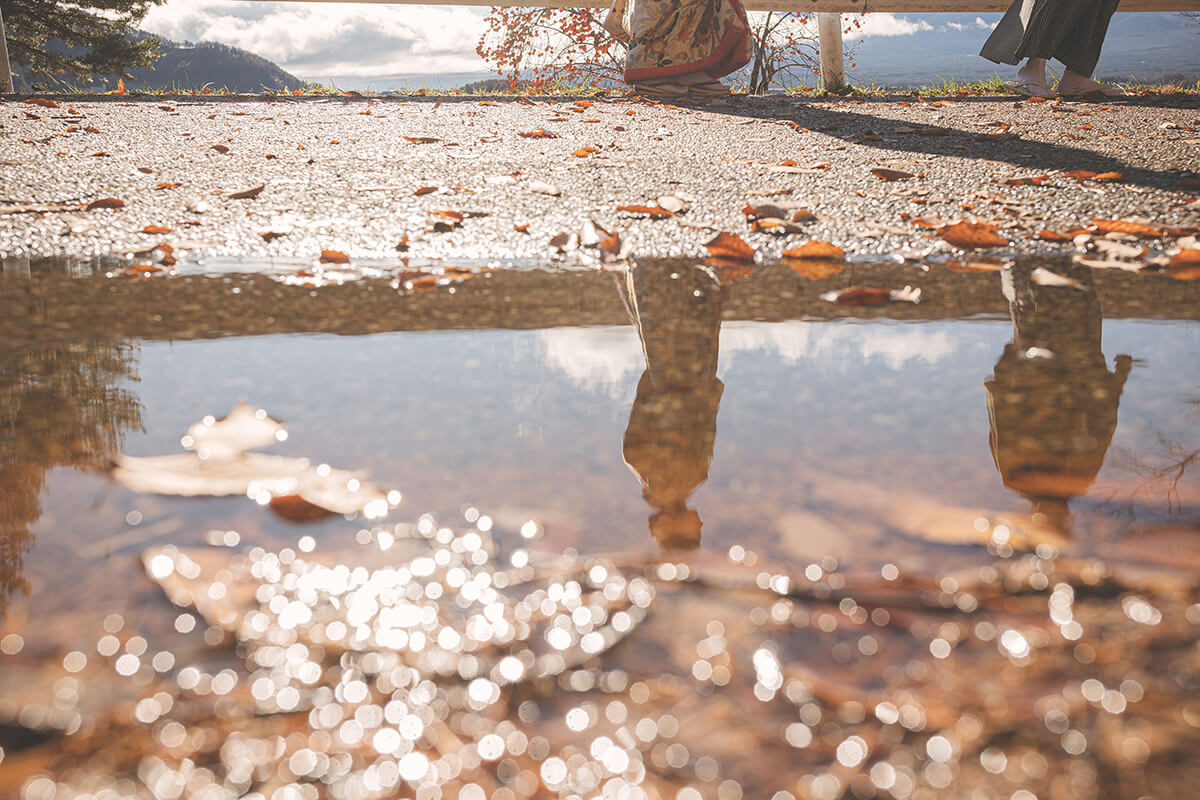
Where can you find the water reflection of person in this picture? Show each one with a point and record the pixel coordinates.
(673, 424)
(1052, 400)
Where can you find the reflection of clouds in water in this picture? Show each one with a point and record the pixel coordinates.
(609, 359)
(606, 359)
(893, 345)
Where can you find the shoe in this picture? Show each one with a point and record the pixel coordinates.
(707, 90)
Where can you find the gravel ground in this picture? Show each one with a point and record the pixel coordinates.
(339, 173)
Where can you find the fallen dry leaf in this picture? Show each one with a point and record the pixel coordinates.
(1109, 176)
(334, 257)
(1125, 226)
(156, 229)
(41, 101)
(167, 186)
(220, 148)
(730, 246)
(540, 133)
(521, 228)
(105, 202)
(971, 235)
(653, 211)
(584, 152)
(425, 190)
(248, 194)
(146, 170)
(803, 215)
(1027, 181)
(816, 249)
(883, 173)
(422, 139)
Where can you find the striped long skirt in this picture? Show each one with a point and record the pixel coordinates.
(1071, 31)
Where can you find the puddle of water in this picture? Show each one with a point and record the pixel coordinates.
(841, 517)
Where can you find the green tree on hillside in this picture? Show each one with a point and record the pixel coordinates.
(93, 31)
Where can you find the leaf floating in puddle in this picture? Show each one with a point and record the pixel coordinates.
(1184, 265)
(730, 246)
(220, 464)
(869, 296)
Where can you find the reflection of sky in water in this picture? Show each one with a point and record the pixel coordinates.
(524, 416)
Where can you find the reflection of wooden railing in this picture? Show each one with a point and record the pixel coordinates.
(53, 306)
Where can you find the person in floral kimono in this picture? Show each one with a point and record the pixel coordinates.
(681, 48)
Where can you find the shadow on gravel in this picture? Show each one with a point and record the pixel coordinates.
(866, 129)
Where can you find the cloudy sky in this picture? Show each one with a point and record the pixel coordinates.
(312, 40)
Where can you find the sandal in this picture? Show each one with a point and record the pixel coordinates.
(1030, 89)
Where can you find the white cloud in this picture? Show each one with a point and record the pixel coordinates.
(836, 345)
(889, 25)
(347, 39)
(598, 359)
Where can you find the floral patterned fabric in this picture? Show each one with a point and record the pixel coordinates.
(666, 38)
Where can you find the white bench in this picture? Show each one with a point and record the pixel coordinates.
(828, 13)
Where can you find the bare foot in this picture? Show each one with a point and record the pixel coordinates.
(1072, 84)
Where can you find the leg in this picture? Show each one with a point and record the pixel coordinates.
(1080, 52)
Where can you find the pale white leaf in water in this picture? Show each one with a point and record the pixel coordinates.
(1044, 277)
(1108, 263)
(220, 466)
(541, 187)
(244, 428)
(906, 295)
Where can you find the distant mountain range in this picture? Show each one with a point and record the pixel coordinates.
(191, 67)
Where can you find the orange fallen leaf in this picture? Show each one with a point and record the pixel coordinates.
(167, 186)
(293, 507)
(653, 211)
(422, 139)
(334, 257)
(425, 190)
(788, 163)
(1185, 258)
(120, 87)
(156, 229)
(891, 174)
(146, 170)
(1109, 176)
(1125, 226)
(105, 202)
(455, 216)
(803, 215)
(584, 152)
(220, 148)
(1035, 99)
(1028, 181)
(142, 269)
(971, 235)
(816, 249)
(1080, 174)
(41, 101)
(731, 246)
(521, 228)
(540, 133)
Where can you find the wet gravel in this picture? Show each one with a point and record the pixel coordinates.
(339, 173)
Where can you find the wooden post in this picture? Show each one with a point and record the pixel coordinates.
(6, 84)
(829, 35)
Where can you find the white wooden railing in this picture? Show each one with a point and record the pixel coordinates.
(828, 13)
